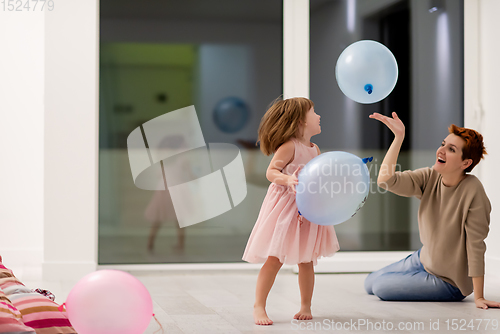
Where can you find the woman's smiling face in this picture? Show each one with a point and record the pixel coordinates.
(449, 156)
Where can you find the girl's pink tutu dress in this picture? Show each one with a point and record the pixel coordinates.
(280, 232)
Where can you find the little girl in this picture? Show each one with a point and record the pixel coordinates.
(281, 234)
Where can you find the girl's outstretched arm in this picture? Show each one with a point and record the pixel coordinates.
(397, 127)
(282, 157)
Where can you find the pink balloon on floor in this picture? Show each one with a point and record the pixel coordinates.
(109, 302)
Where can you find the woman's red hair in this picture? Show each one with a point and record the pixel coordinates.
(474, 147)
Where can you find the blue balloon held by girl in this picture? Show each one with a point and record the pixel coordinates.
(332, 187)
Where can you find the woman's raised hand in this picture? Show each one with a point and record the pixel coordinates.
(394, 124)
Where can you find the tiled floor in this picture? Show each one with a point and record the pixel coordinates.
(221, 302)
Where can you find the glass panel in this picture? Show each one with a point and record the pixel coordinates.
(155, 58)
(428, 97)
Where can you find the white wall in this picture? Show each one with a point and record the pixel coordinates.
(48, 85)
(482, 71)
(21, 137)
(71, 140)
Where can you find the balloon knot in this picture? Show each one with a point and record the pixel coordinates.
(369, 88)
(61, 307)
(365, 160)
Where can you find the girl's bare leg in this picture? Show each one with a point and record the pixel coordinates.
(306, 285)
(265, 281)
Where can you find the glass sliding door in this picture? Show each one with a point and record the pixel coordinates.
(155, 58)
(159, 57)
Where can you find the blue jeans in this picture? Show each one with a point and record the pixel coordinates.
(407, 280)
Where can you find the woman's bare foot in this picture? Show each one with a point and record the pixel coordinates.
(304, 313)
(260, 316)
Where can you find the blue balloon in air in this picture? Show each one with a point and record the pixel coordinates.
(366, 71)
(332, 187)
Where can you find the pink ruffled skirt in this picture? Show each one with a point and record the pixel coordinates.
(281, 232)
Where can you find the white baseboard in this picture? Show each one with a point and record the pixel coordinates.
(28, 265)
(21, 257)
(356, 262)
(25, 263)
(67, 271)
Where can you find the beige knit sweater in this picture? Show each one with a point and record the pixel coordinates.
(453, 223)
